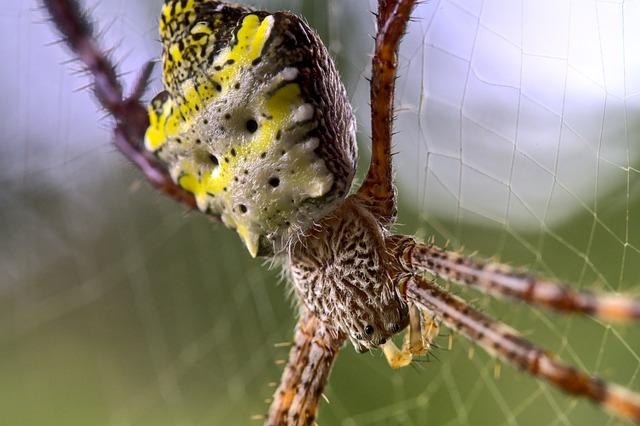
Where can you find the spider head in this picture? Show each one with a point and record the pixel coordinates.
(254, 122)
(371, 331)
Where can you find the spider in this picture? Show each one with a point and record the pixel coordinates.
(254, 128)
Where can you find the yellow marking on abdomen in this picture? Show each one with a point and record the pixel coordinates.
(251, 39)
(280, 107)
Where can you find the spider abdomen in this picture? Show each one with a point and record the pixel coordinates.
(341, 273)
(254, 120)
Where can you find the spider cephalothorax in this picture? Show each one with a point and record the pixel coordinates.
(344, 273)
(254, 120)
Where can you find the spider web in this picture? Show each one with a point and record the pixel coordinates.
(517, 136)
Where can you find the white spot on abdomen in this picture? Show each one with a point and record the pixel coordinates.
(303, 113)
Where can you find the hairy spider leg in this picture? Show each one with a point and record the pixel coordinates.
(378, 189)
(129, 113)
(504, 343)
(305, 375)
(501, 280)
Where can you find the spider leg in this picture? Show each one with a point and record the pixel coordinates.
(377, 189)
(504, 343)
(130, 115)
(501, 280)
(305, 375)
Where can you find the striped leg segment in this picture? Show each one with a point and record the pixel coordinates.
(502, 342)
(501, 280)
(131, 116)
(377, 188)
(295, 402)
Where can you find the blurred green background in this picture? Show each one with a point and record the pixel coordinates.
(119, 308)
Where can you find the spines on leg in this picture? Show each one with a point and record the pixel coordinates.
(501, 280)
(315, 347)
(505, 344)
(377, 189)
(131, 119)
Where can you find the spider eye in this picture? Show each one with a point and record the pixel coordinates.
(368, 330)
